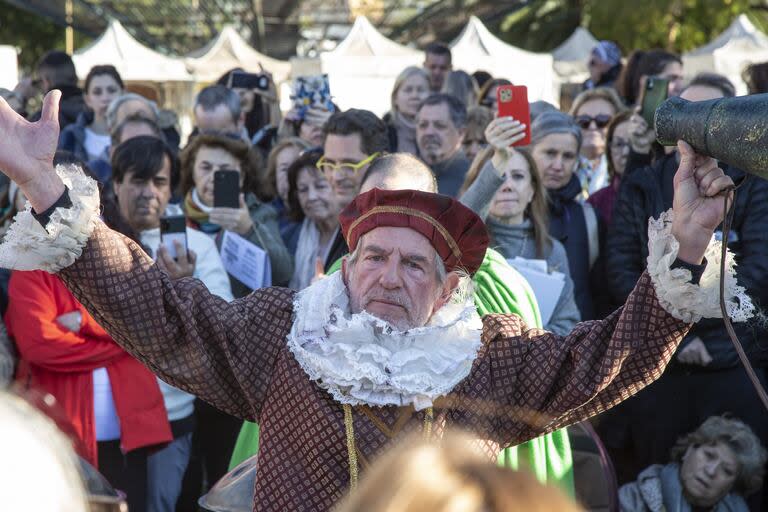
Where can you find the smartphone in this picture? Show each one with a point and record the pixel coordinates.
(173, 228)
(226, 189)
(311, 91)
(512, 100)
(243, 80)
(654, 94)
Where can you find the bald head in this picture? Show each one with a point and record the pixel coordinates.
(399, 171)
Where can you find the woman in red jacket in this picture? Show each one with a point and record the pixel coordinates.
(111, 400)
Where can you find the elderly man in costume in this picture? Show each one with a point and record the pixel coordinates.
(389, 345)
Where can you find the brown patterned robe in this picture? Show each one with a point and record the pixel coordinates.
(234, 355)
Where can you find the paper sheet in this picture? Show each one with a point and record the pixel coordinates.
(247, 262)
(547, 286)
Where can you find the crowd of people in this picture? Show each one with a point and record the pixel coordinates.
(575, 203)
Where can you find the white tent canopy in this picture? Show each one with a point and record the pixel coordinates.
(730, 53)
(571, 57)
(362, 69)
(476, 48)
(10, 65)
(229, 50)
(134, 61)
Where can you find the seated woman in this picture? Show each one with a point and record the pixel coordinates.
(513, 201)
(254, 220)
(713, 468)
(311, 202)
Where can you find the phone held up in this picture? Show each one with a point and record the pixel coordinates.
(243, 80)
(173, 229)
(226, 189)
(512, 101)
(654, 94)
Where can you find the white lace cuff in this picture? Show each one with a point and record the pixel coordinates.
(29, 246)
(681, 298)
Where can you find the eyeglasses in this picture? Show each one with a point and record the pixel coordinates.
(344, 167)
(601, 121)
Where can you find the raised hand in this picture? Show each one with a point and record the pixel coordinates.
(27, 150)
(501, 133)
(698, 202)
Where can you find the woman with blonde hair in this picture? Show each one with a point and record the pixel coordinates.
(411, 88)
(592, 110)
(449, 477)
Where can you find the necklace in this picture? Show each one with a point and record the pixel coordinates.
(349, 428)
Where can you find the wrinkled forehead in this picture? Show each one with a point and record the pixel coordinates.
(405, 241)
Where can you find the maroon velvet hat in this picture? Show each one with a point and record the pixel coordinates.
(458, 235)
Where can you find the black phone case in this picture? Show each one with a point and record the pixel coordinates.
(226, 189)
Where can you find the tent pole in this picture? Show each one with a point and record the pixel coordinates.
(69, 32)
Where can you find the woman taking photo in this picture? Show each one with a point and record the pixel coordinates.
(254, 220)
(516, 211)
(411, 88)
(311, 202)
(88, 138)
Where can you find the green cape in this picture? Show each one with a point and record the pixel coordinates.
(499, 288)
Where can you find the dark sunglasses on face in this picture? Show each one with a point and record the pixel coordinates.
(601, 121)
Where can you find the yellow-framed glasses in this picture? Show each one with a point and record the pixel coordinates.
(344, 167)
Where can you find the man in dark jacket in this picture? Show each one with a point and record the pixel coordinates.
(705, 377)
(57, 71)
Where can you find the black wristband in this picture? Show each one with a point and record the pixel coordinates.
(63, 201)
(695, 270)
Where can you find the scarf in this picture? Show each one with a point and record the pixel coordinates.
(558, 198)
(306, 254)
(198, 213)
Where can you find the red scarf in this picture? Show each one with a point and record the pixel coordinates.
(61, 362)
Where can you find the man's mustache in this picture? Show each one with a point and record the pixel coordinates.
(428, 140)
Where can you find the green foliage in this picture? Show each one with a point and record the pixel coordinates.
(678, 25)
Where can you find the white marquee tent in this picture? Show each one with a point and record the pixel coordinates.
(134, 61)
(10, 65)
(362, 69)
(571, 57)
(476, 48)
(729, 54)
(229, 50)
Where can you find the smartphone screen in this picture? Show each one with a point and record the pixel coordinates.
(226, 189)
(512, 101)
(172, 229)
(654, 94)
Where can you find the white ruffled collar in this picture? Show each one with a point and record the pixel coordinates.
(362, 360)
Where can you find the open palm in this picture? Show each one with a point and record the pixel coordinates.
(27, 149)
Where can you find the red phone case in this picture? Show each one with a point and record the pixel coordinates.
(512, 100)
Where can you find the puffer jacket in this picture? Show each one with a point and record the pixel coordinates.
(647, 193)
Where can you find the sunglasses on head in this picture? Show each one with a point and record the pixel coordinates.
(601, 121)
